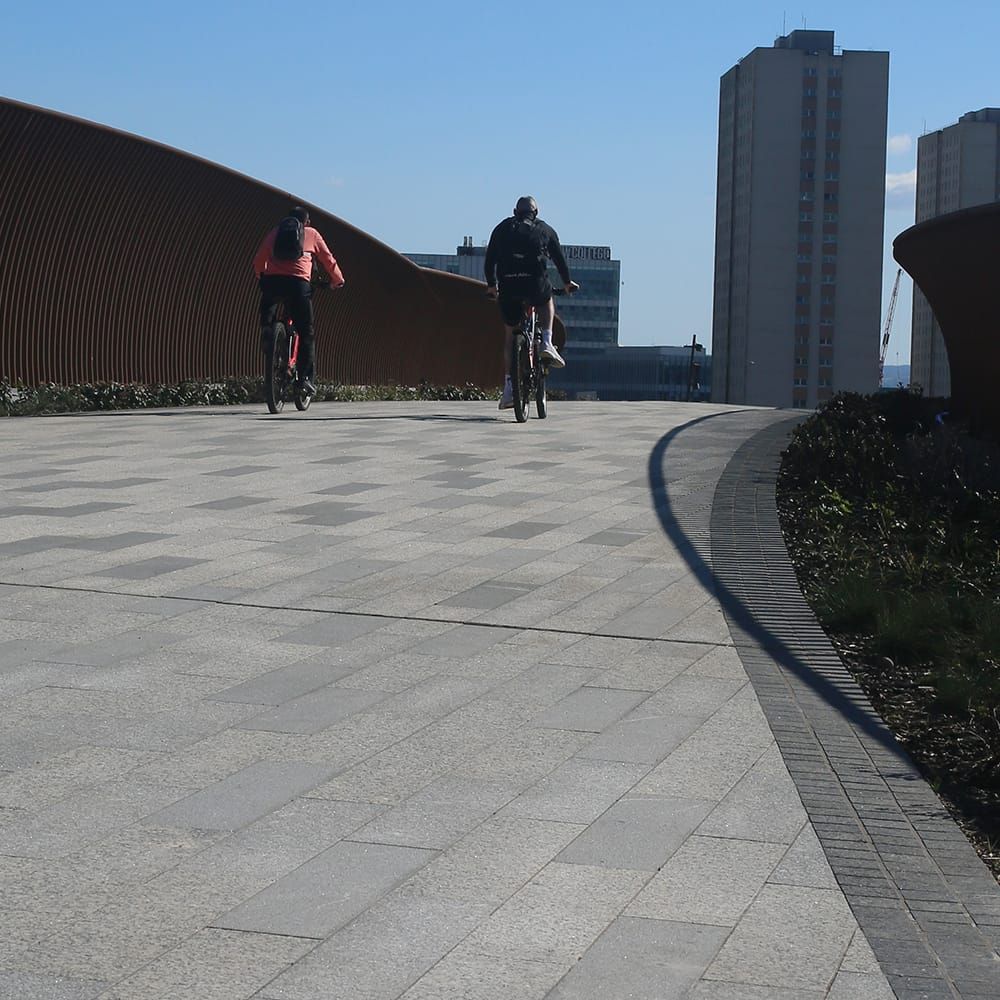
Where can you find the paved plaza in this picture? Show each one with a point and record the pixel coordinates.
(405, 700)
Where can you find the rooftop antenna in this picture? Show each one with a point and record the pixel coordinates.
(783, 15)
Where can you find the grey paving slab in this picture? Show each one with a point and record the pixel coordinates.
(590, 709)
(317, 710)
(644, 960)
(578, 792)
(241, 798)
(147, 568)
(28, 986)
(793, 938)
(557, 915)
(640, 832)
(275, 687)
(708, 880)
(328, 892)
(212, 965)
(329, 630)
(487, 596)
(386, 949)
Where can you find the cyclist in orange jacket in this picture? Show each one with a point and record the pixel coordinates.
(284, 266)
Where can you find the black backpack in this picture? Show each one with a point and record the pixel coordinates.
(289, 241)
(524, 253)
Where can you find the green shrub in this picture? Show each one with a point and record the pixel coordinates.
(20, 400)
(892, 519)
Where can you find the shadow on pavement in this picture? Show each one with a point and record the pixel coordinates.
(736, 609)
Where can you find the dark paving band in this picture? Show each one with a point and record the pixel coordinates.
(924, 899)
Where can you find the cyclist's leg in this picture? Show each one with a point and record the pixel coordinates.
(511, 306)
(545, 305)
(298, 302)
(269, 300)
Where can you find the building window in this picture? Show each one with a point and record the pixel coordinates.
(801, 320)
(829, 237)
(829, 258)
(832, 135)
(801, 362)
(805, 258)
(800, 381)
(826, 362)
(833, 114)
(809, 133)
(825, 341)
(799, 404)
(805, 216)
(834, 73)
(829, 279)
(808, 91)
(832, 154)
(834, 92)
(830, 196)
(802, 300)
(831, 176)
(807, 175)
(806, 196)
(830, 216)
(809, 71)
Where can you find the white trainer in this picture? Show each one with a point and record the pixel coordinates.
(507, 399)
(550, 354)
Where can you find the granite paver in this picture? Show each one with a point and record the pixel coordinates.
(407, 701)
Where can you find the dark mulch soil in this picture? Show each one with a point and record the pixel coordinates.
(892, 519)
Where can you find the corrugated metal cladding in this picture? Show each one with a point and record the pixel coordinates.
(125, 260)
(953, 260)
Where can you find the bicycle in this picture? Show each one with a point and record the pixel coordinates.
(528, 369)
(281, 381)
(281, 377)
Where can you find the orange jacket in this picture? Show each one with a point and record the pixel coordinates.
(313, 246)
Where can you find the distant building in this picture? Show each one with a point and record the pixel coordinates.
(957, 167)
(799, 223)
(597, 368)
(590, 316)
(634, 373)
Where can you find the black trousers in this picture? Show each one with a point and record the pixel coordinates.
(296, 294)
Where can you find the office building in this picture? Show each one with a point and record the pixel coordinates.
(799, 223)
(632, 373)
(957, 167)
(590, 316)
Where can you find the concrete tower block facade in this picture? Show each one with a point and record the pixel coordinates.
(799, 223)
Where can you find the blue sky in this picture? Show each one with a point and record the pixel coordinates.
(421, 124)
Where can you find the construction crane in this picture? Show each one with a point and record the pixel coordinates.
(888, 326)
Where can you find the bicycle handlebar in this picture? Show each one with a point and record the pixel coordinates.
(560, 290)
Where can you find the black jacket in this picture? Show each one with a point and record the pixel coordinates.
(499, 256)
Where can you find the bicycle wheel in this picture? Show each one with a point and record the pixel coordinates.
(541, 400)
(520, 376)
(302, 401)
(276, 370)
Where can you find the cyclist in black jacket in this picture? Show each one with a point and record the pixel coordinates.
(516, 259)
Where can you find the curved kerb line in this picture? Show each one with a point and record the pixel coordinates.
(923, 898)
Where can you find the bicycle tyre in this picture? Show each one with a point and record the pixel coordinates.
(541, 398)
(276, 370)
(302, 401)
(520, 376)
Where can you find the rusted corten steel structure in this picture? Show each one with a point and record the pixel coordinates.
(125, 260)
(953, 258)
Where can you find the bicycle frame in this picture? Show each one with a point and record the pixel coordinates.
(528, 371)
